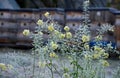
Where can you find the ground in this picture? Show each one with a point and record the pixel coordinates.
(21, 59)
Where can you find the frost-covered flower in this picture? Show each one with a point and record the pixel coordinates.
(46, 14)
(40, 22)
(85, 38)
(68, 35)
(3, 66)
(66, 28)
(26, 32)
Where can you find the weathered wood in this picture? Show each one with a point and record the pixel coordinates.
(13, 22)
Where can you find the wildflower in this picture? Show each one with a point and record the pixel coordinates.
(62, 36)
(3, 66)
(85, 38)
(53, 55)
(105, 63)
(105, 55)
(46, 14)
(66, 75)
(86, 46)
(66, 28)
(56, 32)
(97, 48)
(9, 66)
(54, 45)
(96, 56)
(26, 32)
(68, 35)
(40, 22)
(42, 64)
(99, 37)
(50, 27)
(101, 52)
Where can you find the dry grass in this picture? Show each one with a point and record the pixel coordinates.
(22, 62)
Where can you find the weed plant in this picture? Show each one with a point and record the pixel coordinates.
(81, 59)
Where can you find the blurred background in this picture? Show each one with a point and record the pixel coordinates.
(72, 4)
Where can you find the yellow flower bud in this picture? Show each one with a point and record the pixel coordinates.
(85, 38)
(68, 35)
(51, 28)
(105, 55)
(105, 63)
(96, 56)
(40, 22)
(26, 32)
(66, 28)
(97, 48)
(86, 46)
(62, 36)
(54, 45)
(53, 55)
(47, 14)
(56, 32)
(3, 66)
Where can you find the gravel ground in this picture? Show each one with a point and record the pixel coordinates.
(8, 55)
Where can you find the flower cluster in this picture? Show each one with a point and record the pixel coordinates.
(4, 67)
(75, 46)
